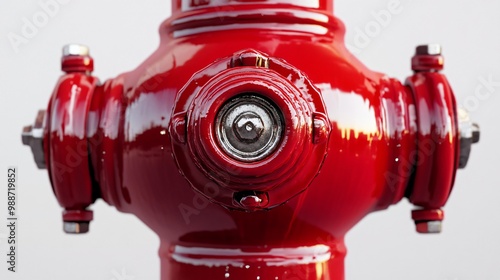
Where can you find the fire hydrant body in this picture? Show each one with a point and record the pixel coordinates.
(251, 141)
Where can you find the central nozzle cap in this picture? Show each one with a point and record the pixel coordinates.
(249, 128)
(256, 132)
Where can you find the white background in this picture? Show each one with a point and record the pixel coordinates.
(383, 246)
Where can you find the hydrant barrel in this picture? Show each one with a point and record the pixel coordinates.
(252, 141)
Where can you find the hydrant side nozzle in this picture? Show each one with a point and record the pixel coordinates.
(67, 144)
(439, 136)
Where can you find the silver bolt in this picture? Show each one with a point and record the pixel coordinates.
(430, 49)
(76, 50)
(464, 123)
(248, 127)
(27, 135)
(476, 133)
(76, 227)
(469, 134)
(430, 227)
(33, 136)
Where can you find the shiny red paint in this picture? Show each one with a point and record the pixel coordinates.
(353, 143)
(78, 64)
(278, 177)
(67, 146)
(436, 159)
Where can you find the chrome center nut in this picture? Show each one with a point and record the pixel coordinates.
(249, 128)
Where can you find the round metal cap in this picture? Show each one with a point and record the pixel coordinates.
(249, 128)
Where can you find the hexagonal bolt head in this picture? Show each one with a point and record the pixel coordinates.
(76, 50)
(469, 134)
(248, 127)
(430, 49)
(429, 226)
(33, 136)
(76, 227)
(476, 133)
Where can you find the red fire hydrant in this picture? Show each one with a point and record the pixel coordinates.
(251, 141)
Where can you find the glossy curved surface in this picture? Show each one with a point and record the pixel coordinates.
(68, 148)
(436, 159)
(372, 133)
(349, 142)
(281, 175)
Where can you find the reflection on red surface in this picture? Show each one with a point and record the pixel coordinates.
(353, 141)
